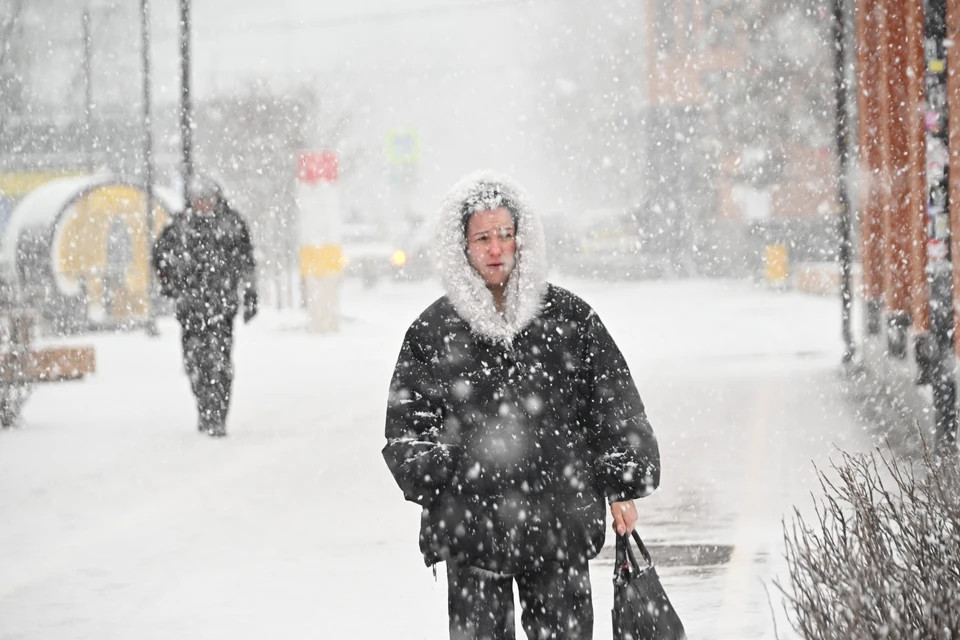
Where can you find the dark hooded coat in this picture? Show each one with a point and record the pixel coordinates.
(513, 431)
(204, 262)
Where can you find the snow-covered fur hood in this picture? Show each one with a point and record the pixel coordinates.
(465, 288)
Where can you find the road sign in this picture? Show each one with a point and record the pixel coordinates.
(403, 146)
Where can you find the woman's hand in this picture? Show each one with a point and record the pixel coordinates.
(624, 517)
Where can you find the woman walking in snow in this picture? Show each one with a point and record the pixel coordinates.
(512, 418)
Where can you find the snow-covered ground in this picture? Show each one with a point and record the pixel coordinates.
(117, 520)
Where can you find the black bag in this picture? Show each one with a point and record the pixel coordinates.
(641, 609)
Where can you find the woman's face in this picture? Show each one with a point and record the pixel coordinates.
(492, 245)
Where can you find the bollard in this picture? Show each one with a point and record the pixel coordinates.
(321, 268)
(321, 255)
(776, 264)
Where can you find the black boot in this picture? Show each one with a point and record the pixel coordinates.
(217, 429)
(217, 432)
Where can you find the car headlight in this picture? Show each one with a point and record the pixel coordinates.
(399, 258)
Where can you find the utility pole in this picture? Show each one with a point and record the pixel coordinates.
(88, 90)
(844, 254)
(186, 109)
(9, 33)
(151, 324)
(939, 259)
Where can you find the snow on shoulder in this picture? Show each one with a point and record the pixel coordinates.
(465, 288)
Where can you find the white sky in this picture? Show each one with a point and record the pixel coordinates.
(469, 75)
(463, 77)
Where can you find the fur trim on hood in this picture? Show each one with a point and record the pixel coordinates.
(465, 288)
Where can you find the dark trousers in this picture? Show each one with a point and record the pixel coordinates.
(112, 287)
(556, 602)
(207, 345)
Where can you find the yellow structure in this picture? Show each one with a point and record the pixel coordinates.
(90, 231)
(322, 260)
(776, 263)
(82, 244)
(17, 185)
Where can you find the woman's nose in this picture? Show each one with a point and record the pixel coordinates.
(495, 248)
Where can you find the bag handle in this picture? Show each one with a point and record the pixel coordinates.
(624, 551)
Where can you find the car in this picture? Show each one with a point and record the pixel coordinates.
(412, 256)
(367, 253)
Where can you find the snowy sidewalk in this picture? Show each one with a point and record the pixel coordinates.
(118, 520)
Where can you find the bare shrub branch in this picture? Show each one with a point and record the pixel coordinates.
(881, 557)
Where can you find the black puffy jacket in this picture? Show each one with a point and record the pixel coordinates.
(514, 443)
(205, 261)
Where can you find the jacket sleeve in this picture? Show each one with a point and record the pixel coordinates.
(628, 462)
(246, 263)
(419, 462)
(166, 262)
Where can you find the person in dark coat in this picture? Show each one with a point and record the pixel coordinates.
(119, 257)
(513, 420)
(205, 262)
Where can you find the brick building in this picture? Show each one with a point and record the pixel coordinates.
(740, 145)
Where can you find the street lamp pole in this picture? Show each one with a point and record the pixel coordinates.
(845, 249)
(186, 110)
(151, 325)
(88, 90)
